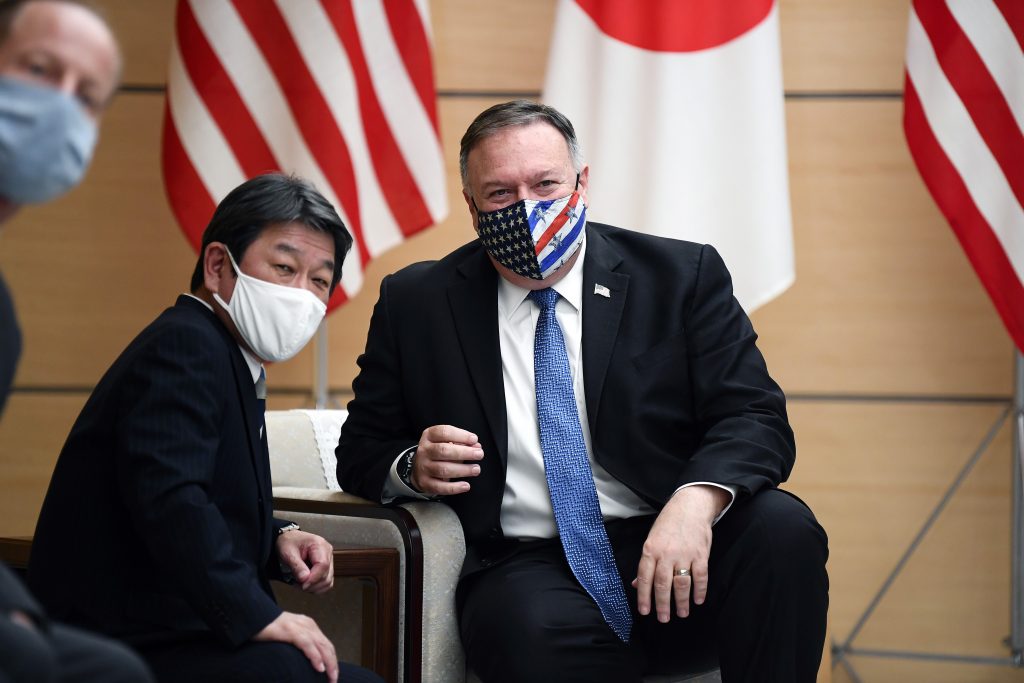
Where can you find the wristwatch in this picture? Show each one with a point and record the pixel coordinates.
(288, 527)
(404, 468)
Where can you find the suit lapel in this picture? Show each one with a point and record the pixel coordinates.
(601, 316)
(473, 301)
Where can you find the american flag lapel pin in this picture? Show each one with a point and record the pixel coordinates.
(601, 290)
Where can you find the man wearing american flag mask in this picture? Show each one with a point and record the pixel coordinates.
(591, 403)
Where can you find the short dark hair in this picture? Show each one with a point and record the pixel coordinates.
(263, 202)
(517, 113)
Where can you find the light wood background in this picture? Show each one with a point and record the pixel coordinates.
(894, 360)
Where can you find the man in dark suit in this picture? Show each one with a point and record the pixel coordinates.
(157, 524)
(59, 64)
(591, 403)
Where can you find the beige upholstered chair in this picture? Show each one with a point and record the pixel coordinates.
(430, 548)
(427, 537)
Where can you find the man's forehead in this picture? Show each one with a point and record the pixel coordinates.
(537, 144)
(69, 32)
(298, 239)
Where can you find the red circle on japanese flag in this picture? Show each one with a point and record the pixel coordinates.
(676, 25)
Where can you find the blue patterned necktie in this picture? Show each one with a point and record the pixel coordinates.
(570, 480)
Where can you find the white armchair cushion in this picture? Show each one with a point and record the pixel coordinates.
(302, 444)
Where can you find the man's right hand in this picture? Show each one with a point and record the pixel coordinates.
(441, 456)
(302, 632)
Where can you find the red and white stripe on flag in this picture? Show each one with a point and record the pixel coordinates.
(964, 117)
(340, 92)
(679, 108)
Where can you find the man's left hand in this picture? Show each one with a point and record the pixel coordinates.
(310, 558)
(679, 539)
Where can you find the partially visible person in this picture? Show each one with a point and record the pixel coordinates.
(163, 486)
(59, 66)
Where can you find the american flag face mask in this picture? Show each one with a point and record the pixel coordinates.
(532, 237)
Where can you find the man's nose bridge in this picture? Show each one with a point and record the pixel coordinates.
(67, 82)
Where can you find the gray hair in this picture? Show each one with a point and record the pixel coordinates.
(517, 113)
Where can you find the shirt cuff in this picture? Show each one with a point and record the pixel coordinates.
(731, 489)
(394, 487)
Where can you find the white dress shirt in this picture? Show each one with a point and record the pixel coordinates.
(526, 510)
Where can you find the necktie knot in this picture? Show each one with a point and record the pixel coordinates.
(545, 298)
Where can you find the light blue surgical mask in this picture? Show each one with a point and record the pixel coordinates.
(46, 142)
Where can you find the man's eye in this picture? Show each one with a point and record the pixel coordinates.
(89, 103)
(321, 283)
(284, 268)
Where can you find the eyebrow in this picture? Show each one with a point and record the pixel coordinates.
(296, 252)
(547, 173)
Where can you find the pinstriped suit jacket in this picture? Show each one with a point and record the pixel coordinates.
(158, 516)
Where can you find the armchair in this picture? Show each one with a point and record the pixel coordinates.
(427, 538)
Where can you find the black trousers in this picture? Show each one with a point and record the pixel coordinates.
(528, 619)
(204, 659)
(62, 654)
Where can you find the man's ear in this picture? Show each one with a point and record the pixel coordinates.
(584, 184)
(472, 208)
(216, 266)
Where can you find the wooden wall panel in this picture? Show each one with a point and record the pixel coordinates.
(843, 45)
(872, 473)
(32, 433)
(895, 671)
(491, 45)
(144, 29)
(885, 300)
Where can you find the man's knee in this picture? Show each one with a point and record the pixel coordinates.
(84, 656)
(779, 528)
(280, 662)
(547, 616)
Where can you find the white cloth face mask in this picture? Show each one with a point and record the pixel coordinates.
(274, 320)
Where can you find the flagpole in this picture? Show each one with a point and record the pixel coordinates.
(1017, 542)
(320, 386)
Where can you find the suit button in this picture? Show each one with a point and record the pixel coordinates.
(486, 562)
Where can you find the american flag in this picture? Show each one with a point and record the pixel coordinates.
(340, 92)
(964, 117)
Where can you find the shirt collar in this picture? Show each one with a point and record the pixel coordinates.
(253, 363)
(570, 288)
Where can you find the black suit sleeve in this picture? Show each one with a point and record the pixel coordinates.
(377, 428)
(747, 441)
(168, 435)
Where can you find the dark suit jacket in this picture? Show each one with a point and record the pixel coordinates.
(676, 390)
(10, 343)
(158, 516)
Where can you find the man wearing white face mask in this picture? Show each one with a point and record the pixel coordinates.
(164, 481)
